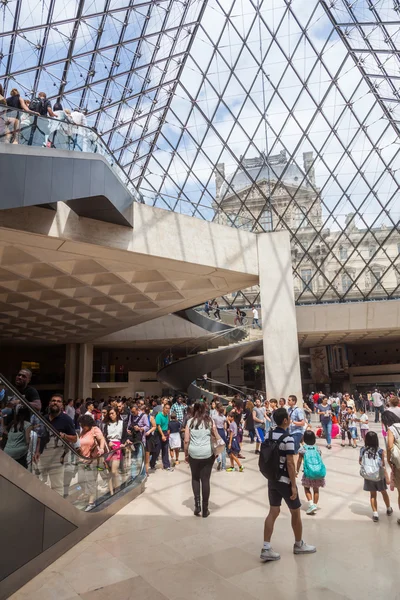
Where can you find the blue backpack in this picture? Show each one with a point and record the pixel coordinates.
(314, 467)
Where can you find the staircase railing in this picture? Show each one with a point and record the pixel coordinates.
(60, 464)
(190, 348)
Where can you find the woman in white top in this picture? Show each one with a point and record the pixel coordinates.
(115, 432)
(199, 454)
(392, 424)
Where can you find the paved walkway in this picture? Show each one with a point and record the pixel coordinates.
(155, 549)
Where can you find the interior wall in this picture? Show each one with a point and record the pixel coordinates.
(50, 358)
(372, 354)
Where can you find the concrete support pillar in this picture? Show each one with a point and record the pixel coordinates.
(71, 371)
(85, 370)
(281, 348)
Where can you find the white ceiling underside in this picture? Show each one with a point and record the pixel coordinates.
(55, 296)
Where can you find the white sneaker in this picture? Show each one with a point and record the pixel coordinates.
(304, 549)
(267, 555)
(311, 510)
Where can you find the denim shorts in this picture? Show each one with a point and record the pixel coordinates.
(353, 432)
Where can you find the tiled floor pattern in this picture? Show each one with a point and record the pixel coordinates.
(155, 549)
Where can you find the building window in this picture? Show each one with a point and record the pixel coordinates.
(372, 250)
(342, 253)
(376, 274)
(306, 276)
(299, 218)
(346, 282)
(265, 219)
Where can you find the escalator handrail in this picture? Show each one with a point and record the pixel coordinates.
(47, 424)
(193, 350)
(229, 385)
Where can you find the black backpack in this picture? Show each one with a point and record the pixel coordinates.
(269, 460)
(38, 105)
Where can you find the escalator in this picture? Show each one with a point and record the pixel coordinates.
(44, 496)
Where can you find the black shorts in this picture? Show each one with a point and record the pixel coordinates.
(151, 443)
(278, 491)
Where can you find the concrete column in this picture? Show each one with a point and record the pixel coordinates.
(281, 348)
(71, 371)
(85, 370)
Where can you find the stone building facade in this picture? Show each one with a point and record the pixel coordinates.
(328, 265)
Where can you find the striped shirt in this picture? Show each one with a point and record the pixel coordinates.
(286, 447)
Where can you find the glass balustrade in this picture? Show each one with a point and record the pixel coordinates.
(29, 129)
(31, 439)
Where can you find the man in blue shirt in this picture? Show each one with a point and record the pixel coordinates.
(297, 422)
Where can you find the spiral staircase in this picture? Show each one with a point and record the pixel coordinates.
(181, 367)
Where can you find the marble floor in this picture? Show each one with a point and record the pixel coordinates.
(155, 549)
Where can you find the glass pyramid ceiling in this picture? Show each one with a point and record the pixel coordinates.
(259, 114)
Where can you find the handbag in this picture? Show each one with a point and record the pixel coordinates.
(217, 443)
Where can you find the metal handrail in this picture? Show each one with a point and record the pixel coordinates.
(47, 424)
(194, 350)
(235, 387)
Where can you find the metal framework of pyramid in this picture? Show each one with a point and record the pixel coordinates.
(261, 114)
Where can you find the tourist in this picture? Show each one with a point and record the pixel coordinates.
(273, 405)
(392, 423)
(259, 418)
(151, 443)
(123, 409)
(89, 407)
(249, 420)
(175, 440)
(179, 408)
(92, 444)
(15, 101)
(255, 318)
(116, 434)
(284, 488)
(379, 405)
(373, 469)
(349, 401)
(137, 425)
(353, 426)
(282, 403)
(200, 456)
(217, 312)
(69, 408)
(238, 317)
(51, 462)
(162, 422)
(18, 436)
(363, 420)
(22, 383)
(325, 413)
(233, 446)
(394, 405)
(213, 409)
(344, 418)
(297, 422)
(314, 470)
(207, 308)
(220, 421)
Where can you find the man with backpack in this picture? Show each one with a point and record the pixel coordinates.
(277, 465)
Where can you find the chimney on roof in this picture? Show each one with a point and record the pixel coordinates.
(219, 178)
(308, 159)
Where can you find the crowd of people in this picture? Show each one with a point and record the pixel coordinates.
(109, 438)
(20, 122)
